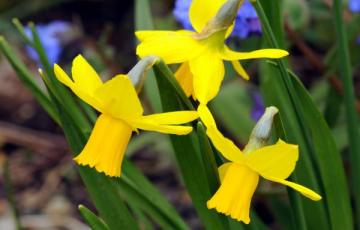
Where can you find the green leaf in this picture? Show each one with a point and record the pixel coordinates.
(63, 96)
(133, 195)
(352, 119)
(319, 159)
(93, 221)
(208, 159)
(187, 151)
(135, 185)
(281, 211)
(27, 79)
(328, 161)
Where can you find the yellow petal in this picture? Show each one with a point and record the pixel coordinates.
(233, 198)
(223, 169)
(201, 11)
(240, 70)
(206, 116)
(173, 47)
(84, 75)
(151, 125)
(62, 76)
(277, 160)
(119, 98)
(106, 146)
(303, 190)
(208, 71)
(185, 78)
(227, 148)
(82, 92)
(172, 118)
(230, 55)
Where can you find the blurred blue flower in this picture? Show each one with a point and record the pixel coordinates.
(50, 38)
(258, 108)
(354, 6)
(246, 22)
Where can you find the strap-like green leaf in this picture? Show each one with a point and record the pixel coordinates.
(93, 221)
(352, 118)
(27, 79)
(187, 152)
(304, 125)
(135, 185)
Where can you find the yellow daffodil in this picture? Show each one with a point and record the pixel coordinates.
(201, 52)
(240, 176)
(121, 113)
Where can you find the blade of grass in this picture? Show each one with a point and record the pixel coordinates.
(93, 221)
(138, 182)
(302, 129)
(62, 95)
(208, 158)
(134, 197)
(349, 100)
(27, 79)
(272, 81)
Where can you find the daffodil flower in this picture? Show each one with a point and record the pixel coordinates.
(240, 176)
(201, 52)
(121, 113)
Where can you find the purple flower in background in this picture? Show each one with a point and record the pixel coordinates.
(354, 6)
(246, 22)
(181, 13)
(50, 37)
(258, 108)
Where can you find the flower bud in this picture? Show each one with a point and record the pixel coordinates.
(138, 72)
(262, 130)
(224, 18)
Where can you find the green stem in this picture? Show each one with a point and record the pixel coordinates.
(349, 99)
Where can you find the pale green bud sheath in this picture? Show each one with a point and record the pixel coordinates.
(224, 18)
(138, 73)
(262, 130)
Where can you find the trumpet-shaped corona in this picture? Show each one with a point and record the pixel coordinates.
(239, 177)
(201, 52)
(121, 113)
(106, 145)
(235, 193)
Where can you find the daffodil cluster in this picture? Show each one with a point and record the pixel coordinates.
(201, 55)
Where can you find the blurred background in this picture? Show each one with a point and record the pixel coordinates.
(36, 169)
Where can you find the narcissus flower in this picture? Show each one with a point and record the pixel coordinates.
(121, 113)
(202, 52)
(240, 176)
